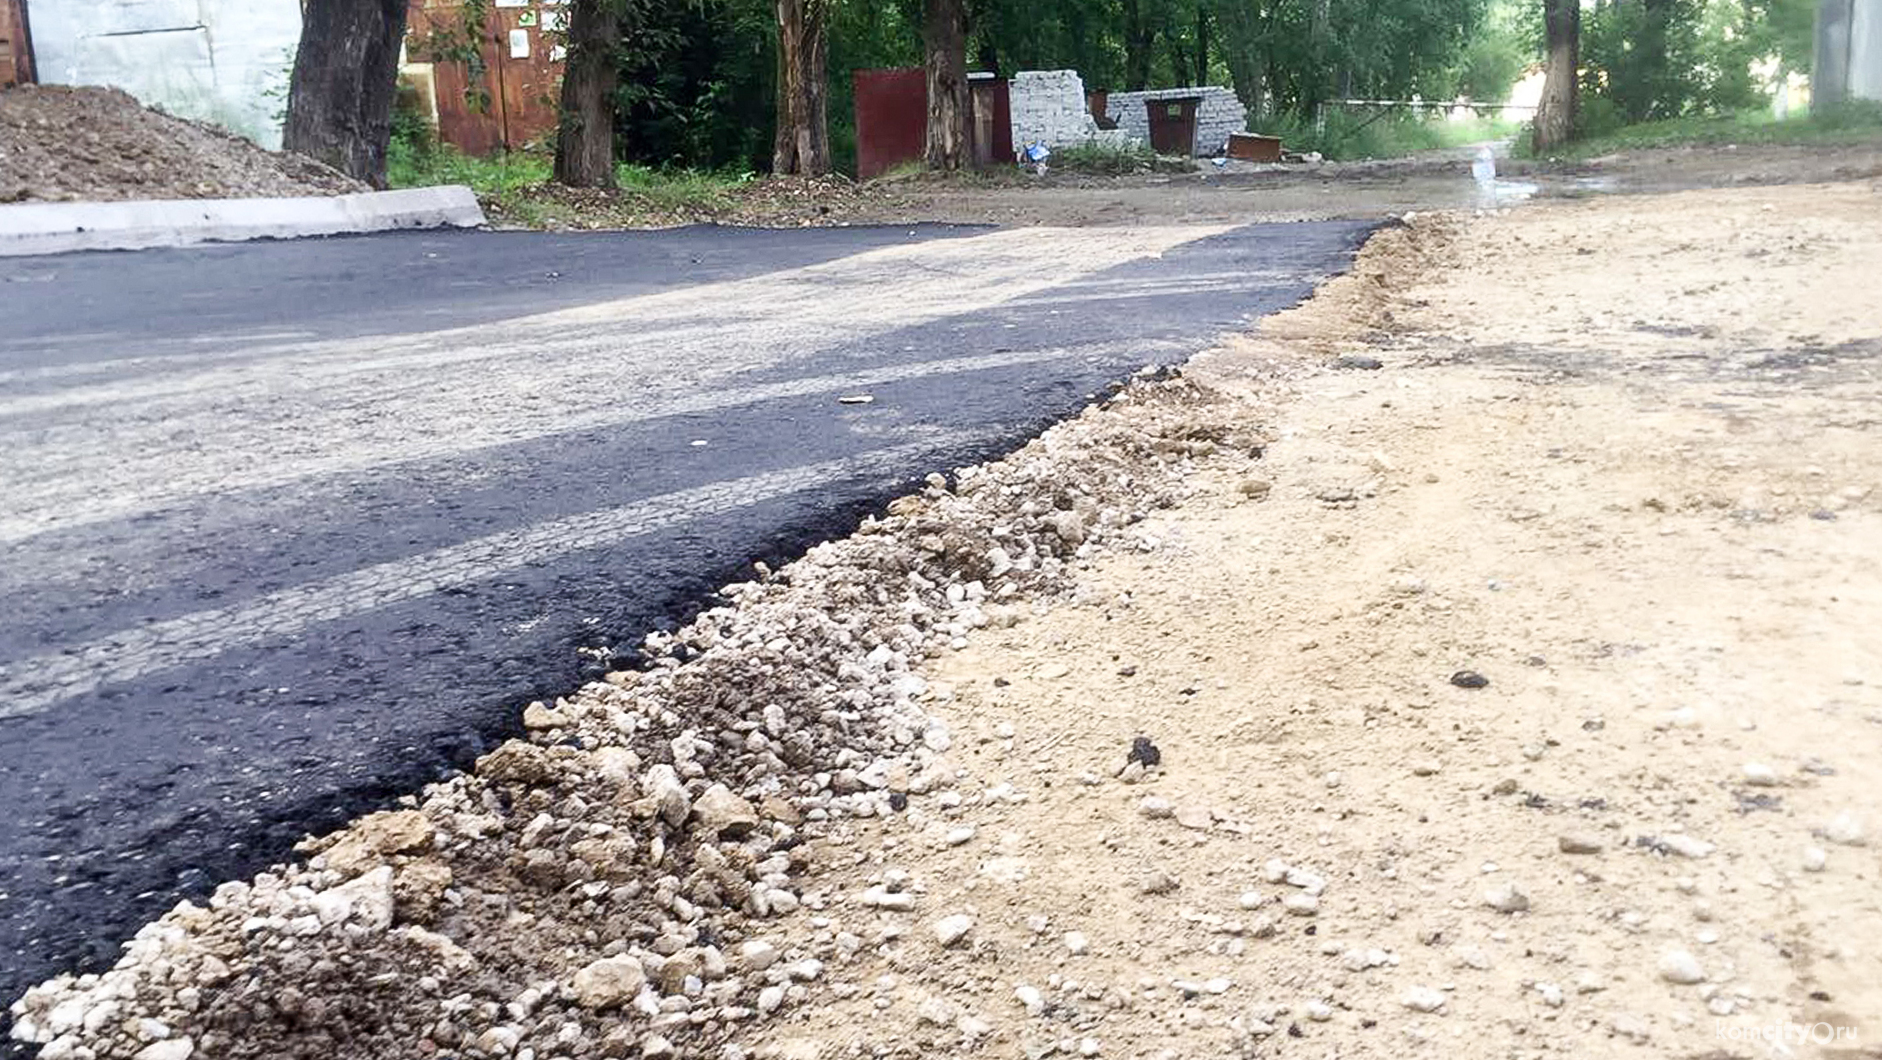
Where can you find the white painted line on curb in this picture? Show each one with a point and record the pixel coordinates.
(61, 227)
(34, 685)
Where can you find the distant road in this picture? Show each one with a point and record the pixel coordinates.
(291, 528)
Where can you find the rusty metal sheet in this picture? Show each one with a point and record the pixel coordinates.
(891, 119)
(16, 44)
(508, 98)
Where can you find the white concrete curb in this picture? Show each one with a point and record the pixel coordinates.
(57, 227)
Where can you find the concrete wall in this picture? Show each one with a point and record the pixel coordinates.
(1049, 106)
(1849, 51)
(223, 61)
(1219, 114)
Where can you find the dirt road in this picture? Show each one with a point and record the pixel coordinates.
(1621, 462)
(1510, 690)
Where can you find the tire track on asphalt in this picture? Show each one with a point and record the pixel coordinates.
(326, 408)
(37, 684)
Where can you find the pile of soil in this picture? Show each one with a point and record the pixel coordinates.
(61, 143)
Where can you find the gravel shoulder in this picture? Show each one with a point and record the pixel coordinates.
(1614, 457)
(61, 143)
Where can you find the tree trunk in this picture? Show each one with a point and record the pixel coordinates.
(584, 141)
(944, 37)
(1241, 48)
(1138, 36)
(1202, 43)
(1555, 112)
(802, 144)
(345, 76)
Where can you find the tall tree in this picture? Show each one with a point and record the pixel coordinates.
(1555, 112)
(345, 77)
(1140, 32)
(584, 142)
(801, 146)
(944, 39)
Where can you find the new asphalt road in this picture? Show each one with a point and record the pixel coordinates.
(291, 528)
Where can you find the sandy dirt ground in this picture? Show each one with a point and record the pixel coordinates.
(1438, 180)
(1620, 461)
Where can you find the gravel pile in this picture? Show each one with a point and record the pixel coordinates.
(62, 143)
(605, 888)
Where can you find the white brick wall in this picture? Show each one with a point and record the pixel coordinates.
(1049, 106)
(1219, 114)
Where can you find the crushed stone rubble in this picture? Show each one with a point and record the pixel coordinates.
(608, 884)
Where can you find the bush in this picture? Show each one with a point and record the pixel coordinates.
(1104, 158)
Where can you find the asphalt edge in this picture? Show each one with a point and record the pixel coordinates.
(58, 228)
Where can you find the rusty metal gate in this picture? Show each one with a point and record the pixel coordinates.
(16, 44)
(507, 98)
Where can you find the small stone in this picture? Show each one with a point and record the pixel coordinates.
(1195, 817)
(1506, 898)
(1470, 679)
(973, 1027)
(950, 930)
(1580, 843)
(1759, 775)
(1031, 998)
(1423, 999)
(770, 999)
(1146, 752)
(168, 1049)
(1679, 966)
(722, 813)
(1815, 858)
(1551, 994)
(1053, 671)
(608, 982)
(1357, 362)
(1589, 982)
(1155, 807)
(1686, 846)
(1319, 1011)
(1077, 944)
(667, 794)
(1846, 829)
(1301, 904)
(755, 955)
(1426, 767)
(655, 1047)
(880, 897)
(1629, 1026)
(938, 1011)
(1472, 957)
(1720, 1005)
(1252, 899)
(1159, 883)
(1256, 487)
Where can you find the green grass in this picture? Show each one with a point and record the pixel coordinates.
(1854, 122)
(1104, 159)
(1354, 135)
(514, 180)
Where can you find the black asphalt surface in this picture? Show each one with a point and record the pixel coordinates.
(135, 772)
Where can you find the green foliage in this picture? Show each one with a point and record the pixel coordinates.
(1107, 159)
(1353, 135)
(1855, 122)
(1656, 60)
(461, 39)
